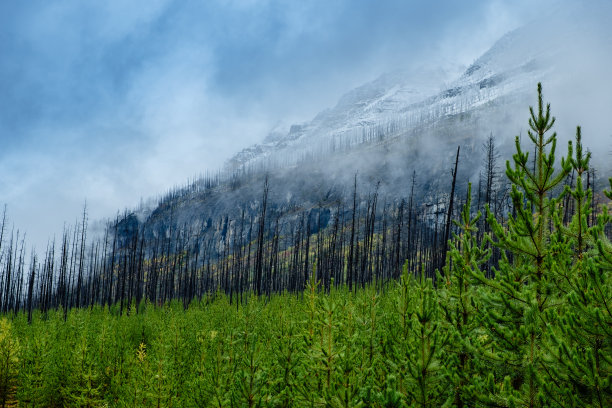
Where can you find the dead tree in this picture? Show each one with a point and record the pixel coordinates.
(260, 239)
(449, 212)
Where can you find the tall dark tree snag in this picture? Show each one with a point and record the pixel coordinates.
(81, 256)
(350, 265)
(31, 287)
(411, 246)
(491, 157)
(397, 261)
(2, 283)
(449, 213)
(260, 239)
(490, 177)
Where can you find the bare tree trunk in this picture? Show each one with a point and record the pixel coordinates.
(260, 240)
(449, 213)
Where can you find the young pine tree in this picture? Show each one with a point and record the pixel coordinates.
(460, 306)
(420, 350)
(522, 291)
(9, 359)
(581, 336)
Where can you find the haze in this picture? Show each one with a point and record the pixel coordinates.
(111, 102)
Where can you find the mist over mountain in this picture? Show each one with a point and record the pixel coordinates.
(568, 51)
(404, 120)
(412, 121)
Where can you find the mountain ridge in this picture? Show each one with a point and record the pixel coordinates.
(383, 131)
(532, 53)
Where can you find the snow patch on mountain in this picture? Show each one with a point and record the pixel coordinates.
(398, 101)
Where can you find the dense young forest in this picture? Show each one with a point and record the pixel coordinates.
(498, 298)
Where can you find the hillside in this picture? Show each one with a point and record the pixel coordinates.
(403, 122)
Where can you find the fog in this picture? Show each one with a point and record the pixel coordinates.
(111, 103)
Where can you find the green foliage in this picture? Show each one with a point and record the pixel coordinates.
(32, 371)
(333, 350)
(522, 295)
(423, 346)
(539, 333)
(9, 360)
(461, 305)
(580, 338)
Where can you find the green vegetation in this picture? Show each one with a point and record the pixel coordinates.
(536, 334)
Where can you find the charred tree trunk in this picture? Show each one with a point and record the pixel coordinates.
(260, 240)
(449, 214)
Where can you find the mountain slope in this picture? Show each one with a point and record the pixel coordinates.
(558, 51)
(408, 121)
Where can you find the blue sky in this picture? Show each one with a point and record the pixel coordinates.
(113, 101)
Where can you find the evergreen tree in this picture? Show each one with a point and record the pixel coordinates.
(522, 291)
(420, 351)
(581, 336)
(460, 304)
(32, 379)
(288, 361)
(9, 360)
(84, 389)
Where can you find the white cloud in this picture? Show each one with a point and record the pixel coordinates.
(131, 104)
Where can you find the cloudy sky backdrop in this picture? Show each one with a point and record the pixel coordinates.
(115, 101)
